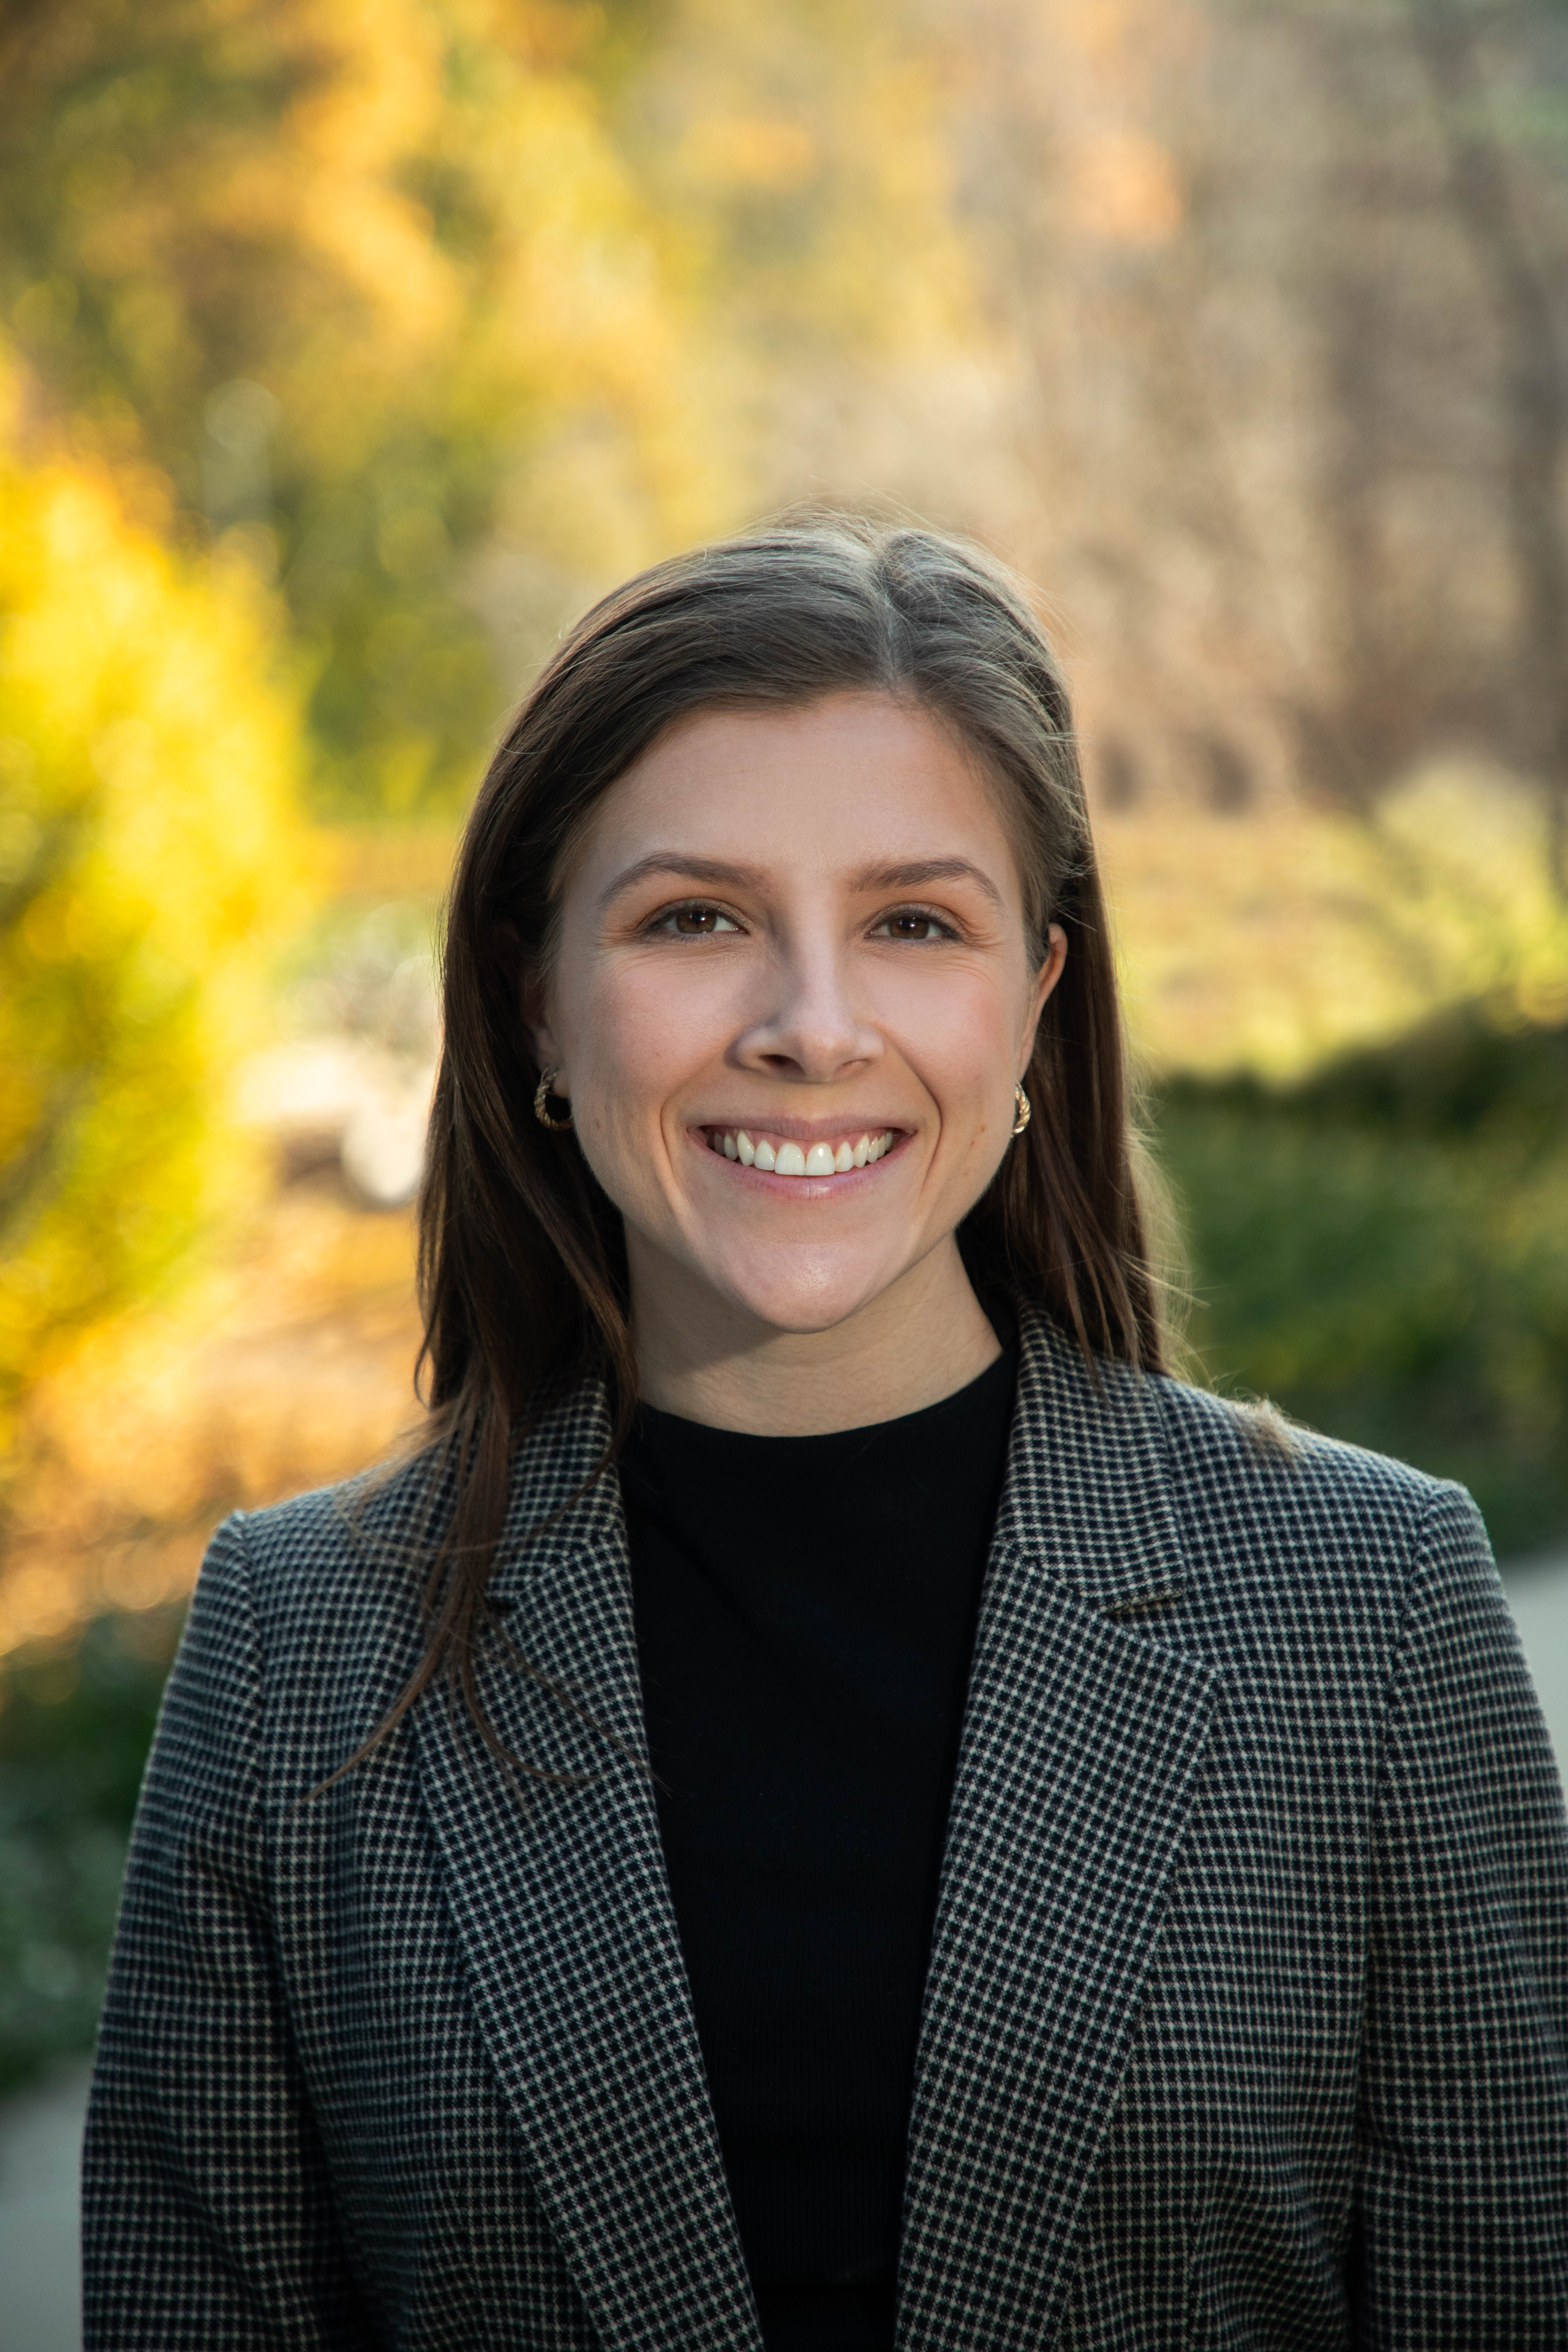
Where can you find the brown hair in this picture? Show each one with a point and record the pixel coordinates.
(522, 1257)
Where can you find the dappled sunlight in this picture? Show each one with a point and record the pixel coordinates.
(1272, 941)
(288, 1367)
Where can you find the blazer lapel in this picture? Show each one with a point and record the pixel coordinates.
(562, 1904)
(1083, 1736)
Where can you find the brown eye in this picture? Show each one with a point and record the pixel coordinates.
(696, 922)
(912, 925)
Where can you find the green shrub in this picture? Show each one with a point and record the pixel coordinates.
(1384, 1250)
(74, 1730)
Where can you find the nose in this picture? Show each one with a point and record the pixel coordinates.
(811, 1032)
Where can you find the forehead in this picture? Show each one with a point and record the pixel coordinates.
(825, 789)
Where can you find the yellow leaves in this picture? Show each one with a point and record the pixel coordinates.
(153, 860)
(375, 83)
(749, 150)
(813, 177)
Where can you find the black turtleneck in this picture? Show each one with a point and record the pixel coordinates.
(806, 1610)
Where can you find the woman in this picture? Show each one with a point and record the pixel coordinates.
(833, 1800)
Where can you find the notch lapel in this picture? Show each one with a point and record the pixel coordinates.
(561, 1904)
(1081, 1742)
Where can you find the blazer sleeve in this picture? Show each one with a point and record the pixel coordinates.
(208, 2216)
(1462, 2205)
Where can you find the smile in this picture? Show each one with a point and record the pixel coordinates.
(777, 1158)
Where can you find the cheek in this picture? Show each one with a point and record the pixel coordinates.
(957, 1029)
(644, 1028)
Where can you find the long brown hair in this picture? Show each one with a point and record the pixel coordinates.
(522, 1257)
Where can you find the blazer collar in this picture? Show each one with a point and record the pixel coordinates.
(1087, 1494)
(1082, 1739)
(1081, 1742)
(561, 1901)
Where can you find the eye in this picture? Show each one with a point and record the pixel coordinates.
(915, 924)
(693, 922)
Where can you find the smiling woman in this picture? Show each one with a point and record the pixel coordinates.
(833, 1802)
(867, 1044)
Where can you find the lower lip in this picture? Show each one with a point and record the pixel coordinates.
(813, 1187)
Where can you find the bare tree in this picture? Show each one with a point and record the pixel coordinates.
(1532, 393)
(1286, 459)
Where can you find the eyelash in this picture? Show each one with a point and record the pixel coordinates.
(921, 914)
(666, 920)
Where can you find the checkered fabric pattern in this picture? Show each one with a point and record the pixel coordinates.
(1248, 2001)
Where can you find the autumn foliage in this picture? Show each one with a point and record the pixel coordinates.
(152, 858)
(351, 350)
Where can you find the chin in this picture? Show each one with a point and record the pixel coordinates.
(802, 1299)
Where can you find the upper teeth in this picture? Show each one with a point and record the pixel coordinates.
(790, 1160)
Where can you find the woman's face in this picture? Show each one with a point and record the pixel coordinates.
(792, 997)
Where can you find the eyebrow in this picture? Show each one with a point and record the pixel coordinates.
(719, 874)
(915, 876)
(691, 869)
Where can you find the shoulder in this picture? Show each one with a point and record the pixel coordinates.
(1248, 1467)
(338, 1529)
(1256, 1444)
(332, 1572)
(351, 1563)
(306, 1621)
(1122, 1458)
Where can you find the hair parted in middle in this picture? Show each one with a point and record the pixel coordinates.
(522, 1256)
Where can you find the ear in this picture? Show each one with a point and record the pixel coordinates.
(534, 1011)
(1045, 979)
(532, 996)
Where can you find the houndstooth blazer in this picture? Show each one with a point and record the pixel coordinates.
(1248, 2000)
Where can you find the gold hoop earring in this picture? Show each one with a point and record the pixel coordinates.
(541, 1094)
(1026, 1110)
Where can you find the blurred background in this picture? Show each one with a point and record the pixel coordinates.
(347, 351)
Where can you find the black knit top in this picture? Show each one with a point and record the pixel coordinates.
(806, 1610)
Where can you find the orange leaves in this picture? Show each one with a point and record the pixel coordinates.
(288, 1367)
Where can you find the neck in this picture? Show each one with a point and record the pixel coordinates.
(922, 1339)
